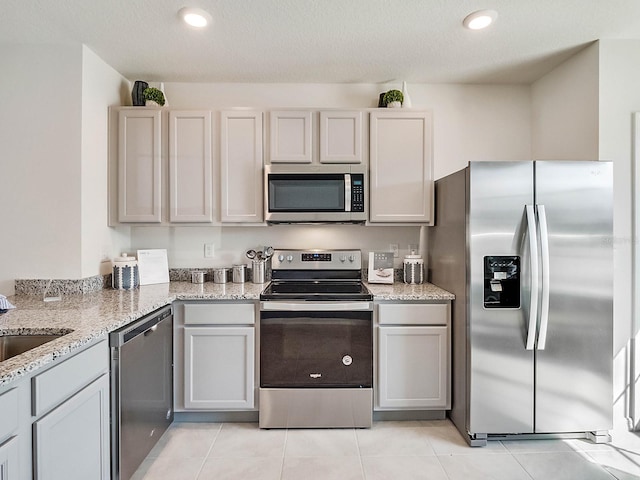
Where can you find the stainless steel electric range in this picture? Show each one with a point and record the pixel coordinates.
(316, 342)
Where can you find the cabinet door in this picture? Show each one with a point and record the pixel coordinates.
(72, 441)
(413, 367)
(341, 137)
(401, 164)
(9, 469)
(219, 367)
(190, 167)
(242, 159)
(290, 137)
(139, 164)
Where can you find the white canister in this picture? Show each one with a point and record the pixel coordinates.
(413, 268)
(125, 273)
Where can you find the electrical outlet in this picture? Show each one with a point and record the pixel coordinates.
(393, 247)
(208, 250)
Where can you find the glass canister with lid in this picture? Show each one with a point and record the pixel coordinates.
(125, 273)
(413, 267)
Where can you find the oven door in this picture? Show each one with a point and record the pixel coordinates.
(316, 344)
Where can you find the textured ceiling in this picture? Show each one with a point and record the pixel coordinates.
(324, 41)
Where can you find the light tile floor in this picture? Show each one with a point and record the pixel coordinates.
(429, 450)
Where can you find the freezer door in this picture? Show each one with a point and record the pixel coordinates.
(500, 368)
(574, 371)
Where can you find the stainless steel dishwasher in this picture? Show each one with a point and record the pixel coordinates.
(141, 389)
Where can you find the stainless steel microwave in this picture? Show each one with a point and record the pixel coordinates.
(315, 193)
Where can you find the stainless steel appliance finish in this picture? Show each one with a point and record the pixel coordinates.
(316, 342)
(526, 247)
(141, 389)
(315, 193)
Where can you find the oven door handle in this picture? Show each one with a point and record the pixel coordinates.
(316, 306)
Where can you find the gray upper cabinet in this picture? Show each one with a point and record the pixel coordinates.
(312, 136)
(401, 167)
(165, 167)
(241, 159)
(341, 136)
(139, 166)
(190, 167)
(291, 132)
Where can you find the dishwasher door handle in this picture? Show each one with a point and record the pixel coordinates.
(150, 330)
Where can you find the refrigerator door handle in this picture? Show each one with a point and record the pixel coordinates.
(533, 307)
(544, 250)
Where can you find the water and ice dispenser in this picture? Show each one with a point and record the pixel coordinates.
(502, 282)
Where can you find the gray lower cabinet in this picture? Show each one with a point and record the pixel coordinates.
(215, 356)
(9, 468)
(72, 441)
(9, 414)
(219, 367)
(413, 356)
(70, 407)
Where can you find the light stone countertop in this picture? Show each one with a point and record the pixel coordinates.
(402, 291)
(91, 316)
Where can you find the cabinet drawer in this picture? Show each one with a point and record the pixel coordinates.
(413, 314)
(60, 382)
(220, 314)
(8, 413)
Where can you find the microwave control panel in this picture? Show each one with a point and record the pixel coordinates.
(357, 192)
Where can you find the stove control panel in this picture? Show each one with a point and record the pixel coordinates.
(316, 257)
(316, 260)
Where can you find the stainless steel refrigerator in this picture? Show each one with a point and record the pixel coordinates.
(526, 247)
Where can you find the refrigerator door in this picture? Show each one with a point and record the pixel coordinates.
(574, 370)
(500, 371)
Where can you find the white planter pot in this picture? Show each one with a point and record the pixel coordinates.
(151, 103)
(394, 105)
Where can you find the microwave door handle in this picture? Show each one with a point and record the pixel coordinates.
(347, 192)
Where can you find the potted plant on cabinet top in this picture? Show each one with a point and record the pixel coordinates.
(153, 97)
(393, 99)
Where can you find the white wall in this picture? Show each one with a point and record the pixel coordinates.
(564, 122)
(53, 132)
(101, 86)
(40, 94)
(619, 98)
(471, 122)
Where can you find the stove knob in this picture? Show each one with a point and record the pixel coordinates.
(347, 360)
(289, 258)
(352, 258)
(281, 258)
(343, 259)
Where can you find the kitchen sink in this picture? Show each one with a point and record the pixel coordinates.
(12, 345)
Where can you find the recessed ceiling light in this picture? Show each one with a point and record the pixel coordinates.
(480, 19)
(196, 17)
